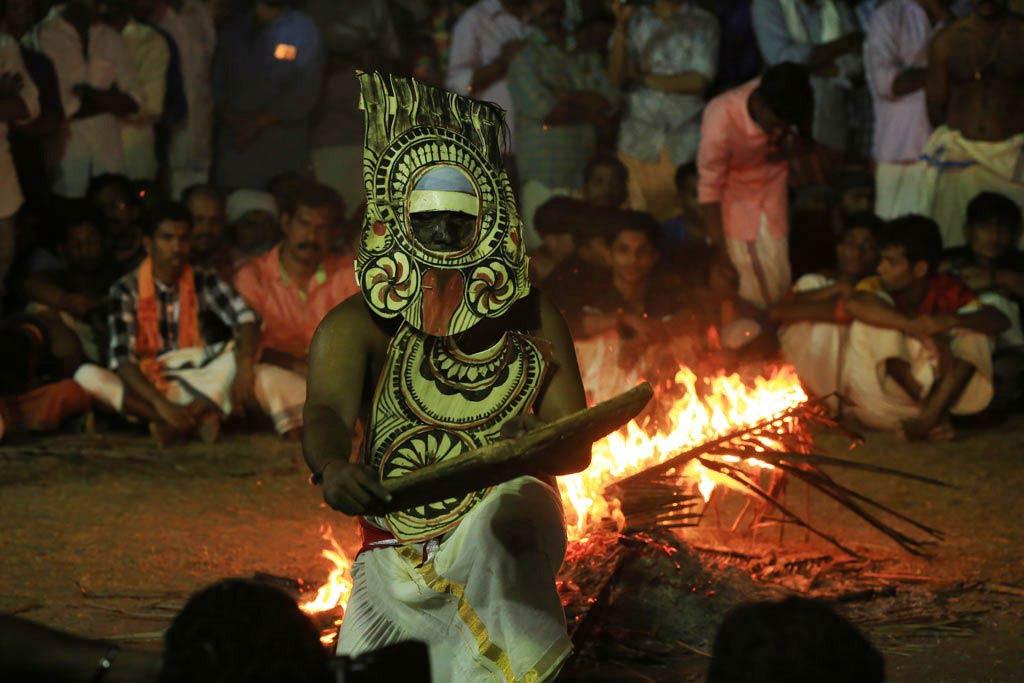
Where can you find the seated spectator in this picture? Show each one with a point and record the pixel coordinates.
(292, 288)
(735, 331)
(686, 229)
(920, 343)
(252, 223)
(623, 324)
(207, 206)
(854, 194)
(605, 182)
(553, 222)
(991, 265)
(238, 630)
(76, 292)
(166, 321)
(586, 268)
(812, 337)
(117, 201)
(792, 641)
(36, 392)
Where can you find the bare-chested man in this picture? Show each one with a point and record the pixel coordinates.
(975, 93)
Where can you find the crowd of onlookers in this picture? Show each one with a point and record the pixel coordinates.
(181, 189)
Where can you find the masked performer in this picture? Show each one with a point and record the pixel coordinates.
(446, 350)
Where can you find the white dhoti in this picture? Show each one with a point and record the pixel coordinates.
(763, 265)
(484, 602)
(281, 394)
(815, 349)
(959, 169)
(899, 189)
(191, 374)
(880, 402)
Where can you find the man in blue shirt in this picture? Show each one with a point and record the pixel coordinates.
(266, 79)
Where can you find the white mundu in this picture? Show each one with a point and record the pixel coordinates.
(815, 349)
(879, 402)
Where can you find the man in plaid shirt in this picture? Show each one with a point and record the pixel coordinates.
(170, 339)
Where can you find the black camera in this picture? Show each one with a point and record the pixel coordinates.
(407, 662)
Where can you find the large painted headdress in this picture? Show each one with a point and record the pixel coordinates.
(430, 150)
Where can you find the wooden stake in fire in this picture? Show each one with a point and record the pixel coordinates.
(783, 442)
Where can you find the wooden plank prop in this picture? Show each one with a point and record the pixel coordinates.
(511, 458)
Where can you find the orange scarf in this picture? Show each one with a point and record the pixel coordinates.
(147, 319)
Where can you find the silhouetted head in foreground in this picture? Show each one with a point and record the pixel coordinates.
(792, 641)
(239, 631)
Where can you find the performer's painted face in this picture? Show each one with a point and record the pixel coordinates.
(442, 241)
(444, 231)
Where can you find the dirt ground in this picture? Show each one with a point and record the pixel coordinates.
(89, 517)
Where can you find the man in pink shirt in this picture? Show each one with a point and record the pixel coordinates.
(292, 287)
(747, 136)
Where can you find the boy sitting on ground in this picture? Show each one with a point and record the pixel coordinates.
(992, 265)
(813, 339)
(919, 344)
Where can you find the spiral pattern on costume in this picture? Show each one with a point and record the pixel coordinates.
(414, 450)
(490, 289)
(390, 283)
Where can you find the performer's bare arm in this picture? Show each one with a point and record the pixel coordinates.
(563, 394)
(338, 359)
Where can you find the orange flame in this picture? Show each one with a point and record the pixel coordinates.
(725, 403)
(722, 404)
(335, 592)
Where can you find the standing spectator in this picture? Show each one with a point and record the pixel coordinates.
(266, 76)
(292, 288)
(895, 60)
(190, 25)
(151, 55)
(668, 52)
(484, 41)
(559, 100)
(747, 136)
(210, 249)
(355, 37)
(19, 101)
(739, 60)
(98, 85)
(975, 99)
(27, 140)
(823, 35)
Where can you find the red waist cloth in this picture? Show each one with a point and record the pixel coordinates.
(44, 408)
(371, 536)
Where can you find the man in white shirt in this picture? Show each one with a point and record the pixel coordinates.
(19, 102)
(191, 28)
(484, 41)
(151, 56)
(98, 85)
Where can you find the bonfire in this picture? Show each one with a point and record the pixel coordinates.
(664, 469)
